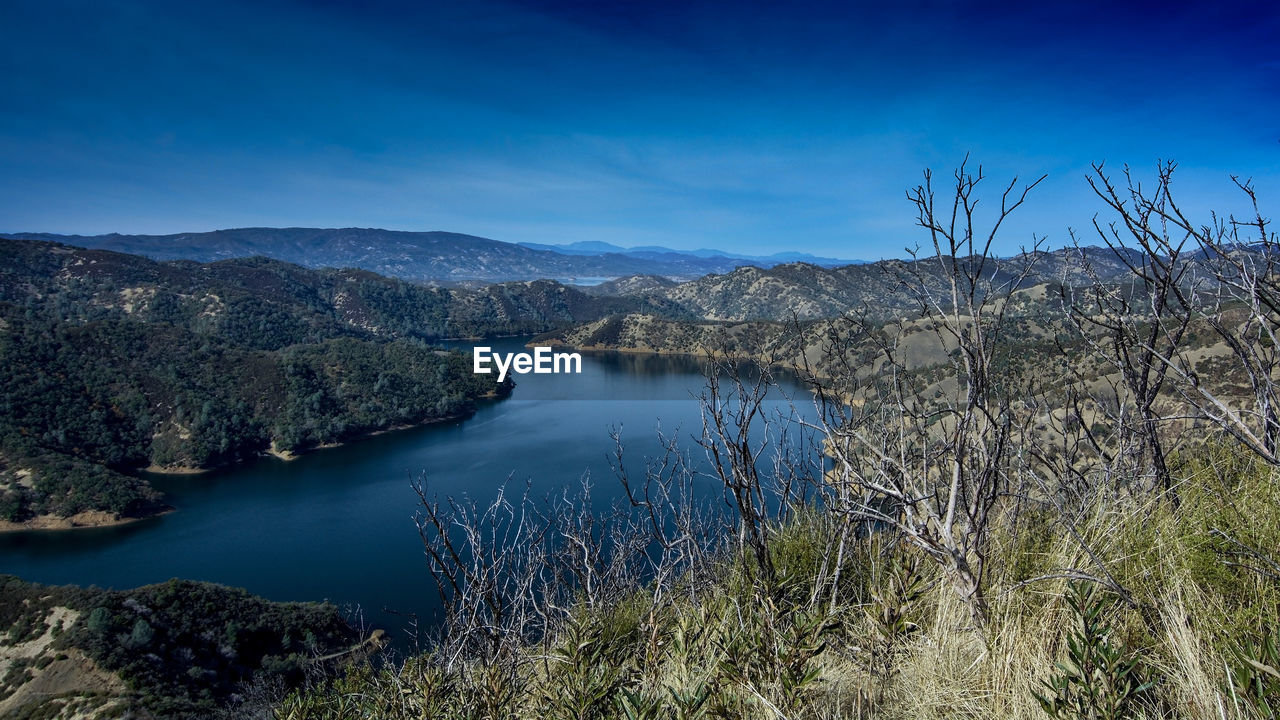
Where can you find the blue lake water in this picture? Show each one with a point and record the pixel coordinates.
(337, 524)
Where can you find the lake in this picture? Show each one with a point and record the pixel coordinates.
(337, 524)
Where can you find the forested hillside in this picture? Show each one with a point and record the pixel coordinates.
(115, 363)
(179, 649)
(267, 303)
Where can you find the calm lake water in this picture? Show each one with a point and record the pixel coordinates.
(337, 524)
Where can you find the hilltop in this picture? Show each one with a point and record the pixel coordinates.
(179, 649)
(809, 292)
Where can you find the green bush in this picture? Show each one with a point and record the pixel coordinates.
(1098, 680)
(1254, 675)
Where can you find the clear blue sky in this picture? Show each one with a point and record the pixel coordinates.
(778, 126)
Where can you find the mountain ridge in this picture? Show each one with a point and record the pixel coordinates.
(432, 257)
(594, 247)
(805, 291)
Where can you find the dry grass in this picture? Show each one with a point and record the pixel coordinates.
(1188, 609)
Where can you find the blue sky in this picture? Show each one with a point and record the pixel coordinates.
(748, 127)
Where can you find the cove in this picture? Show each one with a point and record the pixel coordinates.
(337, 524)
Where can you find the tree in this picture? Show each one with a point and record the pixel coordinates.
(1139, 321)
(1234, 291)
(933, 470)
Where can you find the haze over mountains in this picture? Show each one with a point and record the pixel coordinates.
(430, 257)
(658, 252)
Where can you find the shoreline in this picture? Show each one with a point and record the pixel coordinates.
(102, 518)
(79, 521)
(486, 337)
(701, 354)
(289, 456)
(175, 470)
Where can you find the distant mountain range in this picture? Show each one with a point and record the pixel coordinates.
(309, 303)
(432, 257)
(657, 252)
(673, 284)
